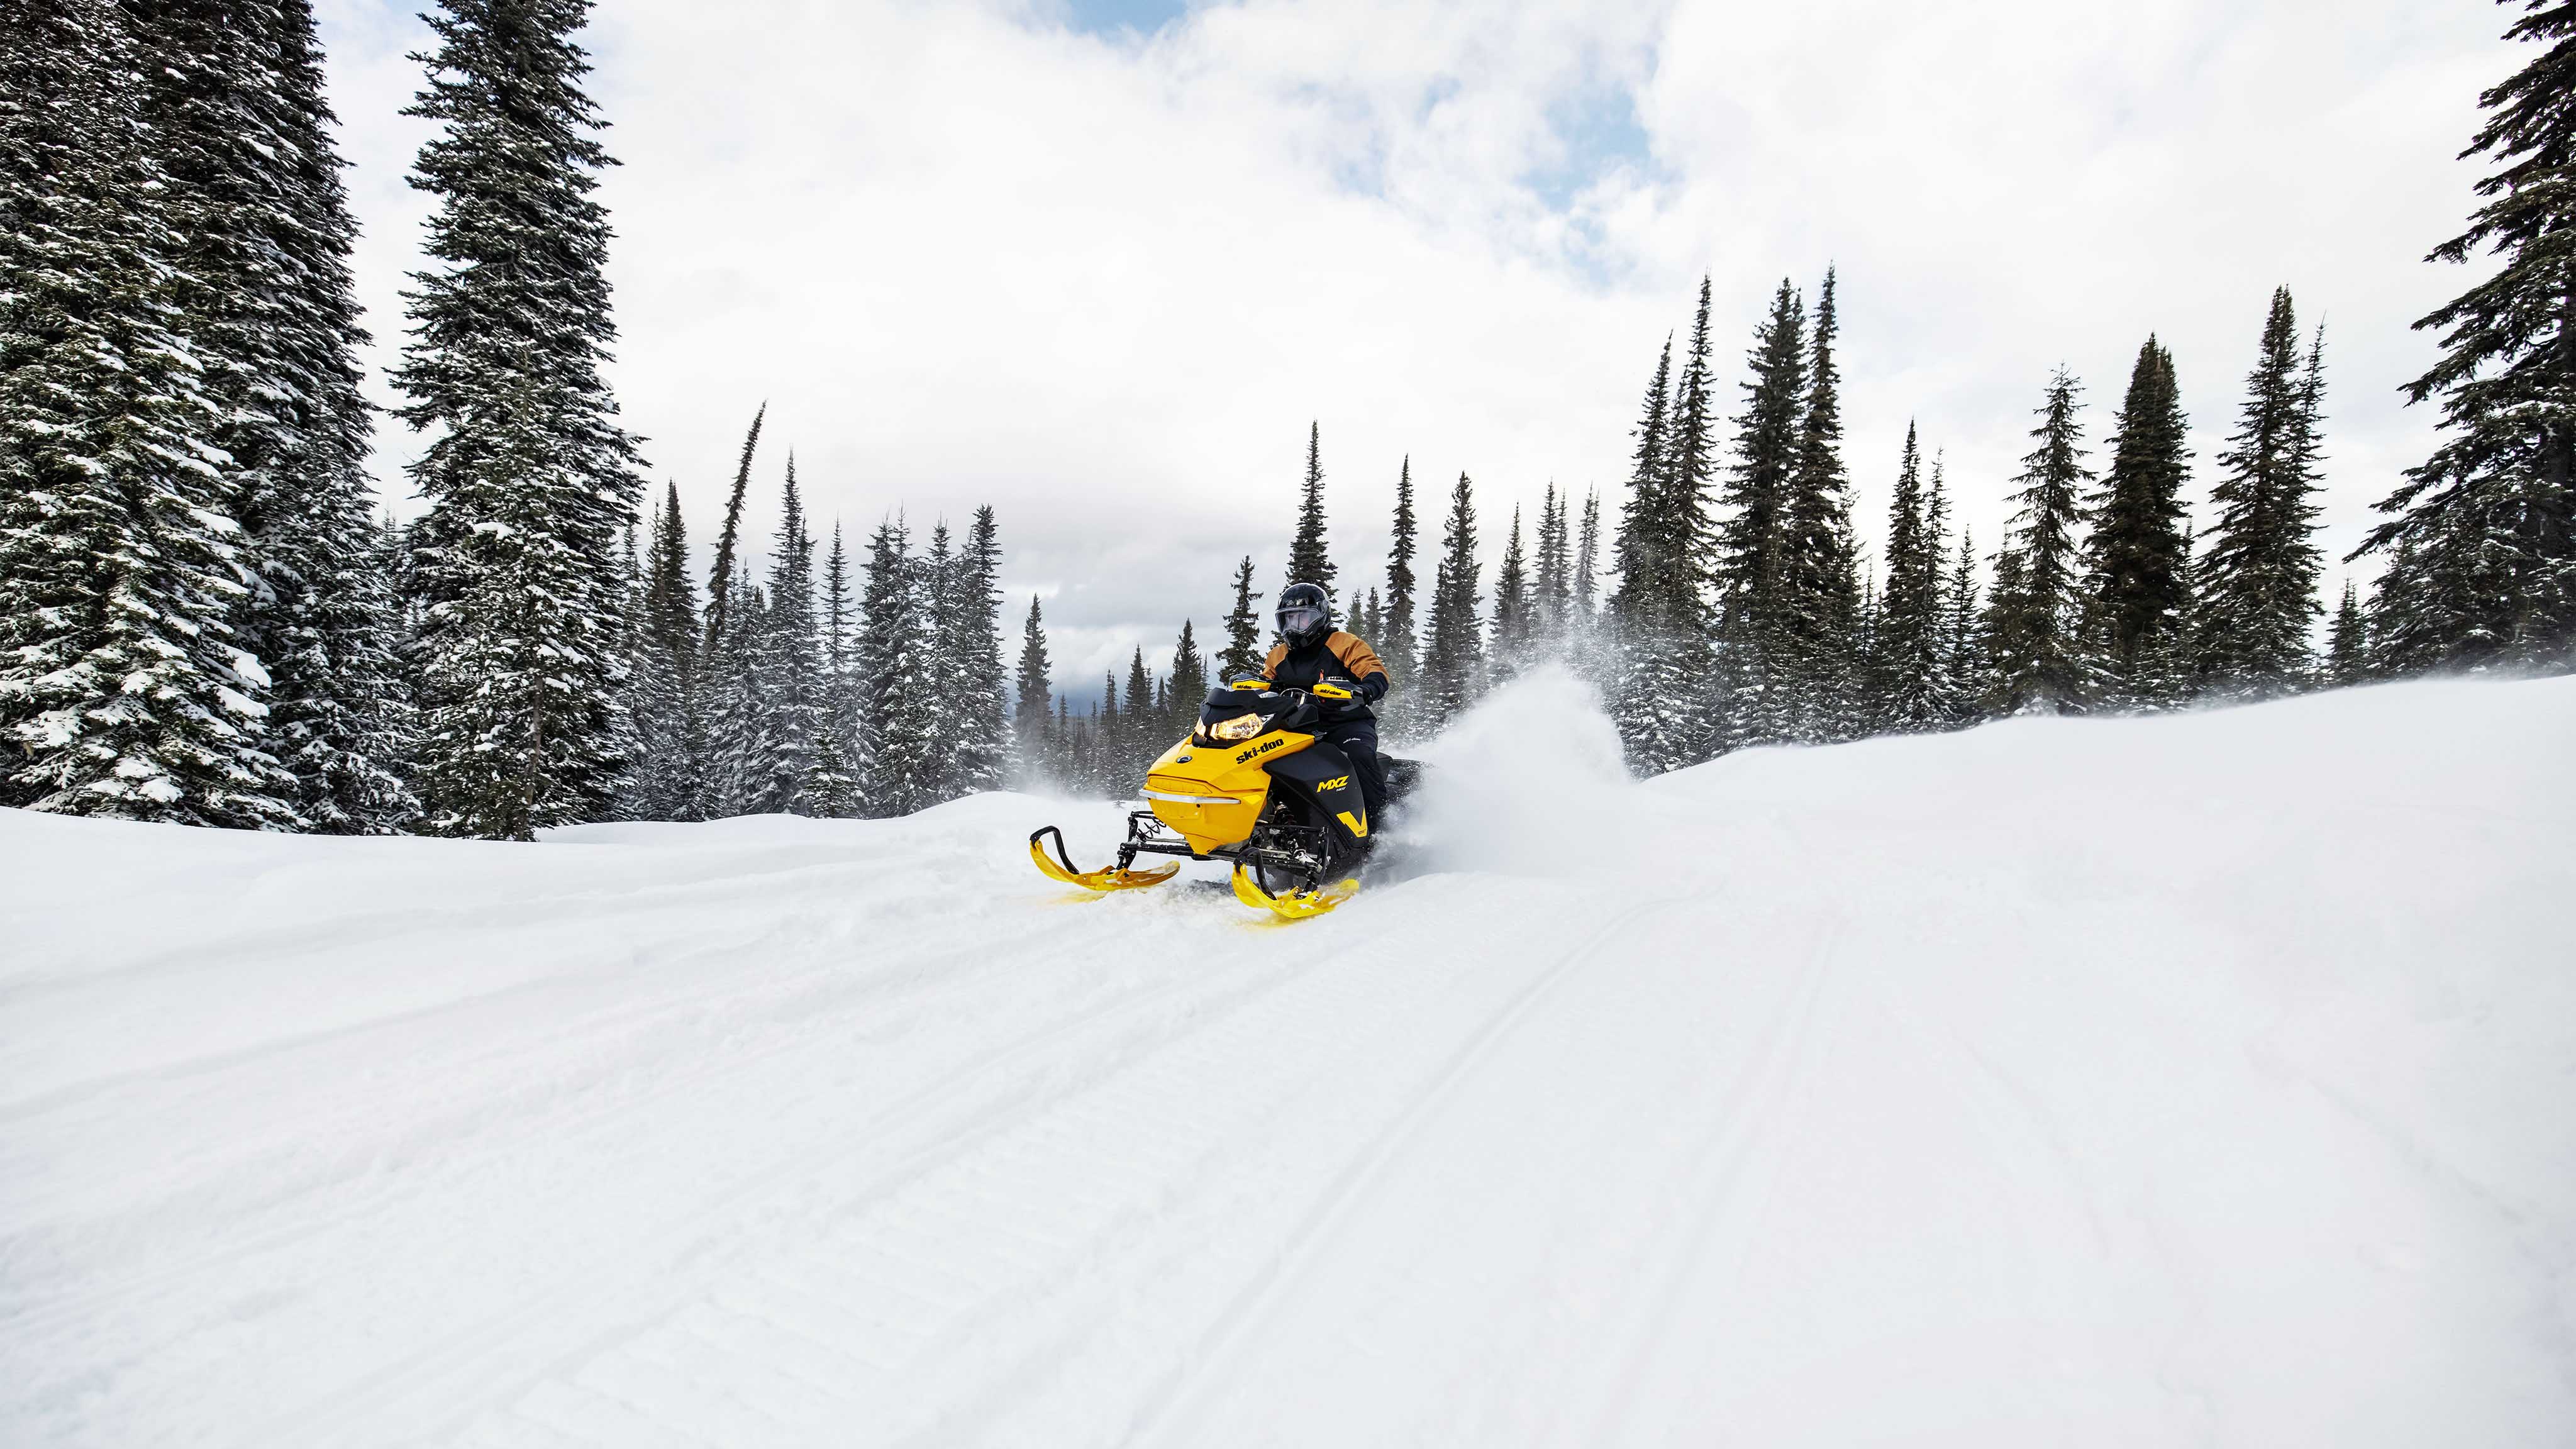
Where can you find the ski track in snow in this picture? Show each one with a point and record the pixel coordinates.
(2199, 1080)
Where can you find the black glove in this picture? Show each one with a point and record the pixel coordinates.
(1373, 688)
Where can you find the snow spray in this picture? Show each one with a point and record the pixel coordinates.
(1515, 782)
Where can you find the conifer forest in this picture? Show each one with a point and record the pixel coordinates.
(208, 615)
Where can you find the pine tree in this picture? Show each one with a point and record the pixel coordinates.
(1587, 554)
(740, 685)
(2348, 642)
(720, 574)
(831, 788)
(1512, 622)
(792, 683)
(1308, 560)
(1454, 649)
(1397, 643)
(1909, 665)
(1029, 719)
(1552, 593)
(123, 681)
(1766, 455)
(980, 759)
(1108, 769)
(2481, 546)
(898, 714)
(1144, 719)
(1655, 689)
(1639, 551)
(1813, 577)
(1243, 652)
(1372, 617)
(1963, 641)
(667, 781)
(527, 474)
(1189, 683)
(233, 94)
(2041, 660)
(935, 777)
(2259, 576)
(2140, 548)
(840, 692)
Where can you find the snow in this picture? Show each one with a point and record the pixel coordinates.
(2194, 1080)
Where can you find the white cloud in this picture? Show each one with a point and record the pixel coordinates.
(969, 254)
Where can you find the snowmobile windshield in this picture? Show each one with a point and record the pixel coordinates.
(1300, 619)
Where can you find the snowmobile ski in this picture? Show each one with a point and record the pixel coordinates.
(1115, 878)
(1295, 905)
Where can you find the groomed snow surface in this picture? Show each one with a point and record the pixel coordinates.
(2197, 1080)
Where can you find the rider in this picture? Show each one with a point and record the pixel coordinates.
(1311, 651)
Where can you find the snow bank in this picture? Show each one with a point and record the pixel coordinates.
(2198, 1080)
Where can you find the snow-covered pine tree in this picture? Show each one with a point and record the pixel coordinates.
(980, 751)
(1552, 590)
(1587, 557)
(1143, 720)
(831, 789)
(1189, 683)
(123, 683)
(1657, 727)
(792, 679)
(1029, 719)
(232, 96)
(1814, 577)
(2481, 544)
(897, 717)
(720, 574)
(1397, 643)
(1372, 616)
(1908, 669)
(940, 604)
(666, 780)
(2348, 642)
(1749, 548)
(1108, 758)
(2140, 549)
(2042, 662)
(1963, 636)
(740, 685)
(527, 474)
(1453, 649)
(2258, 578)
(1309, 561)
(1766, 455)
(1512, 621)
(840, 696)
(1243, 652)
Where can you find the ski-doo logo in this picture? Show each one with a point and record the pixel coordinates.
(1260, 749)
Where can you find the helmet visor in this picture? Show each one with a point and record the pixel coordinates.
(1300, 619)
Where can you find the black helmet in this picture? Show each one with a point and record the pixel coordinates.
(1305, 615)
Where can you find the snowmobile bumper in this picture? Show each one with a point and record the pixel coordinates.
(1115, 878)
(1295, 905)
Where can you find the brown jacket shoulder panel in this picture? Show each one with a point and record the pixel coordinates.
(1354, 653)
(1270, 666)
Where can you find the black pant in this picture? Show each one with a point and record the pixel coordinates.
(1358, 739)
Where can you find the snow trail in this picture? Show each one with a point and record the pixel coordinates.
(2177, 1081)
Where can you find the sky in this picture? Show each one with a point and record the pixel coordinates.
(1101, 264)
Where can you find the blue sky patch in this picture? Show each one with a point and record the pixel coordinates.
(1110, 17)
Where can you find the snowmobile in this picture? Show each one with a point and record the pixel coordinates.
(1254, 786)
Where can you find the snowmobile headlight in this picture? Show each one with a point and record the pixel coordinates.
(1241, 727)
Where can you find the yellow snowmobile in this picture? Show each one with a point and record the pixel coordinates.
(1254, 786)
